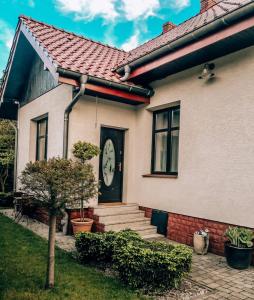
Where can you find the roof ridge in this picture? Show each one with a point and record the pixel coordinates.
(69, 32)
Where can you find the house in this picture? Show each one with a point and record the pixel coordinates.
(173, 117)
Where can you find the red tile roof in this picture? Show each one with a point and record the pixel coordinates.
(82, 55)
(217, 11)
(76, 53)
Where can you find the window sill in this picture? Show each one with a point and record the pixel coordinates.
(159, 176)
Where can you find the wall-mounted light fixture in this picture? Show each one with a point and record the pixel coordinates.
(207, 73)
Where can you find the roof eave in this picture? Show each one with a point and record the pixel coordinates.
(229, 39)
(209, 28)
(132, 89)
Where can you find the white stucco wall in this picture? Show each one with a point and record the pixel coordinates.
(86, 120)
(216, 156)
(54, 103)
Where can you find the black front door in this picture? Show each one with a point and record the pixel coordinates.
(111, 165)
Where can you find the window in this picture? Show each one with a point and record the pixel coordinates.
(42, 139)
(166, 126)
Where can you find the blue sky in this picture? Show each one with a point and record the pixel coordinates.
(122, 23)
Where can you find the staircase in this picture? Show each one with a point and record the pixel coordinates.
(119, 217)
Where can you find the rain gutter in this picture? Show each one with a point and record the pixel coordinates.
(216, 25)
(99, 81)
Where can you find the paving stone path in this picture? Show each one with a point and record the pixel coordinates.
(210, 271)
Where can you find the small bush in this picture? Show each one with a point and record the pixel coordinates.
(152, 266)
(140, 264)
(99, 247)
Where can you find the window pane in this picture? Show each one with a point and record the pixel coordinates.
(161, 120)
(174, 150)
(160, 163)
(176, 118)
(42, 127)
(41, 148)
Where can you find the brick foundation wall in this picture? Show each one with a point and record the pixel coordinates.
(148, 211)
(181, 229)
(40, 214)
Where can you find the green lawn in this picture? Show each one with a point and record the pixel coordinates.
(23, 267)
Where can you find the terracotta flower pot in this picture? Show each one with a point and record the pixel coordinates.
(84, 226)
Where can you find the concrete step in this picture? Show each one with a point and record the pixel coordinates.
(147, 231)
(154, 236)
(121, 216)
(106, 210)
(142, 229)
(121, 225)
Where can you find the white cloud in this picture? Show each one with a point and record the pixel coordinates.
(109, 9)
(133, 9)
(89, 9)
(179, 4)
(132, 42)
(113, 11)
(6, 34)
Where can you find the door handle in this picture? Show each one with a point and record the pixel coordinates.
(120, 167)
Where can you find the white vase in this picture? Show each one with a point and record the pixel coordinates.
(201, 243)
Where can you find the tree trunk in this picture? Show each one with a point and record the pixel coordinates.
(50, 278)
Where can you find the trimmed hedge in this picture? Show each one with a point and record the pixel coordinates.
(100, 247)
(140, 264)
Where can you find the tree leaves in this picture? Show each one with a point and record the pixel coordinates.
(58, 182)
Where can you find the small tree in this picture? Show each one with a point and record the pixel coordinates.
(84, 152)
(54, 184)
(7, 151)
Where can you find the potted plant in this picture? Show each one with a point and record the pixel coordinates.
(84, 152)
(239, 247)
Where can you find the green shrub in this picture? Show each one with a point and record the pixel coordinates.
(140, 264)
(99, 247)
(151, 265)
(94, 247)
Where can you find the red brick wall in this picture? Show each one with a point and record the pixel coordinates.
(206, 4)
(40, 214)
(148, 211)
(181, 229)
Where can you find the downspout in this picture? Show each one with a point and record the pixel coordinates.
(83, 81)
(214, 26)
(127, 72)
(15, 157)
(16, 129)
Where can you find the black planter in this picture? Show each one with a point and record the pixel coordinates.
(238, 258)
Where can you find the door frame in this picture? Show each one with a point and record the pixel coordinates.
(123, 159)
